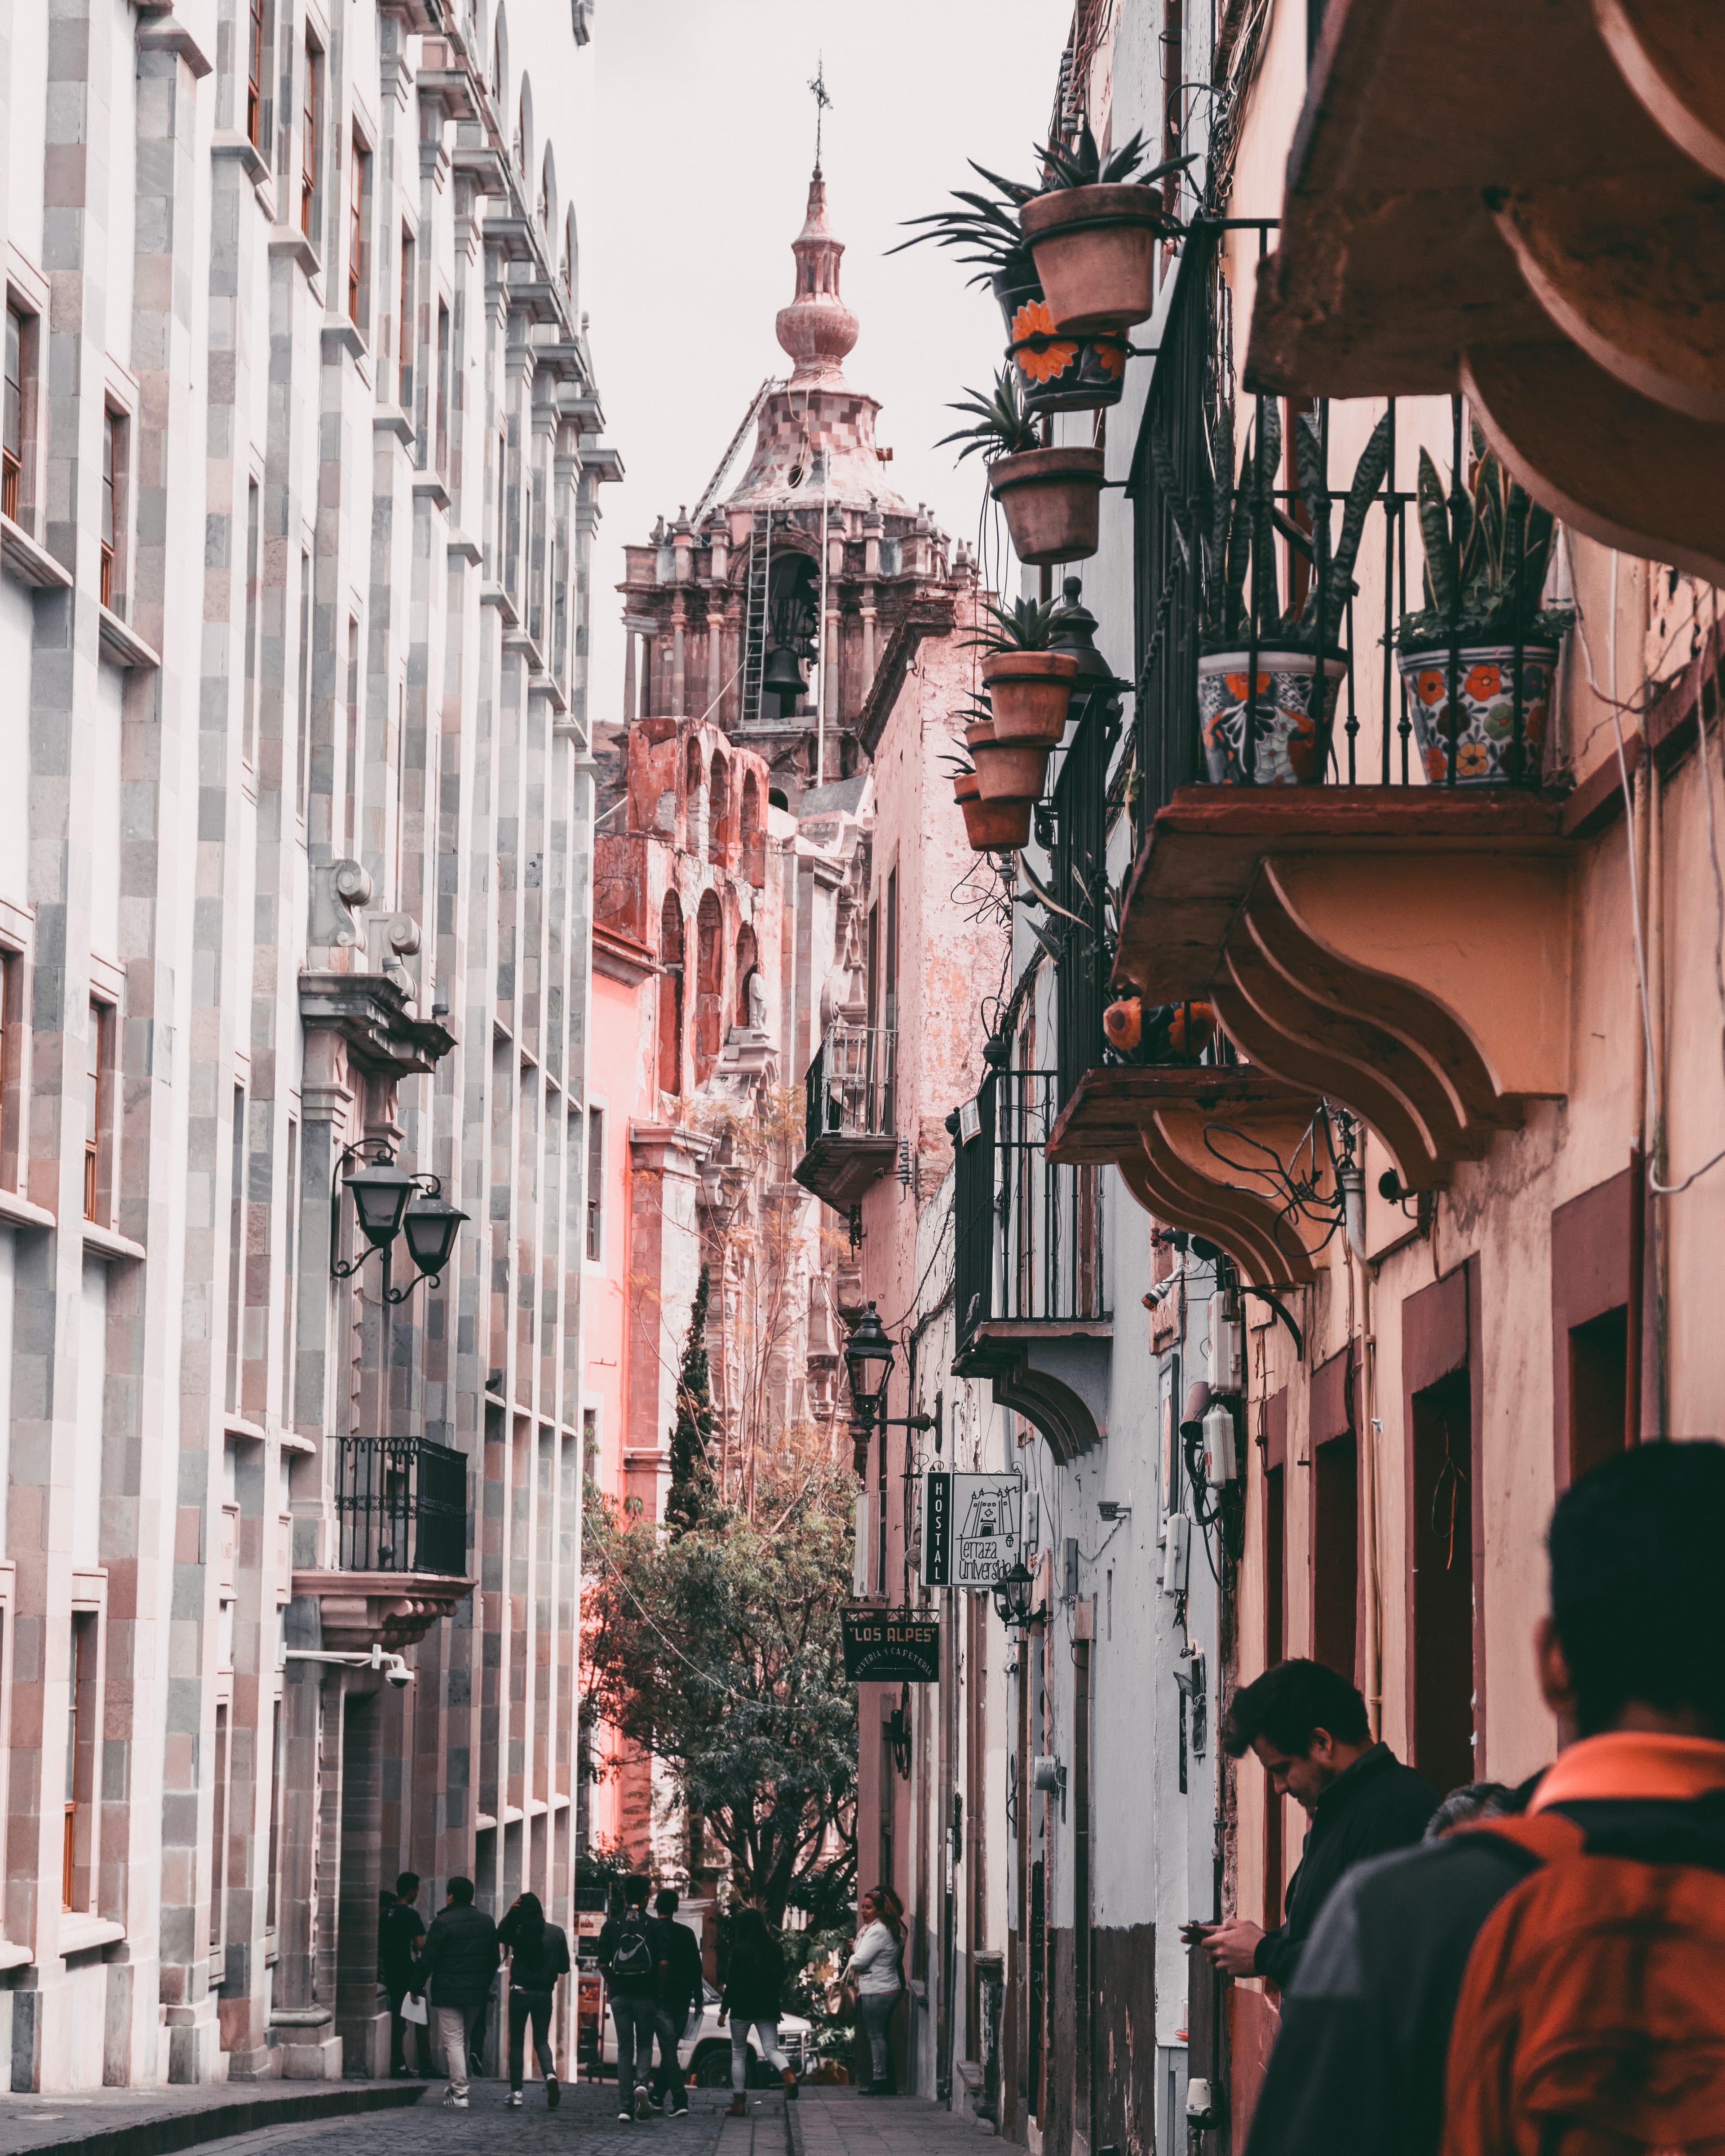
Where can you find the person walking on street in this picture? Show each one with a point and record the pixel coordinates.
(538, 1955)
(628, 1958)
(1307, 1726)
(400, 1934)
(754, 1994)
(1495, 1988)
(458, 1961)
(676, 1988)
(876, 1971)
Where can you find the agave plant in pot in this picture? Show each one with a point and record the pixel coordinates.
(1051, 496)
(1054, 373)
(1479, 656)
(990, 827)
(1030, 689)
(1093, 233)
(1268, 724)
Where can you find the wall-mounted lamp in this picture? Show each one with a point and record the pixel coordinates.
(388, 1202)
(1012, 1596)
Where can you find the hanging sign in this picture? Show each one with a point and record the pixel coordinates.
(891, 1646)
(973, 1528)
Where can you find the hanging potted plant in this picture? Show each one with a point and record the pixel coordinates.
(1030, 689)
(990, 826)
(1093, 233)
(1051, 496)
(1055, 373)
(1479, 657)
(1270, 725)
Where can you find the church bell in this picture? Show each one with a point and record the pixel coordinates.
(783, 677)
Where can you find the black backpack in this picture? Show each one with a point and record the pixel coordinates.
(632, 1957)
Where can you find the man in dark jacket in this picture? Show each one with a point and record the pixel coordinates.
(677, 1987)
(460, 1962)
(1359, 2063)
(1307, 1726)
(400, 1931)
(628, 1957)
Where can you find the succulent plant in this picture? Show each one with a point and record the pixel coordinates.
(1487, 549)
(1002, 426)
(1027, 625)
(985, 230)
(1084, 166)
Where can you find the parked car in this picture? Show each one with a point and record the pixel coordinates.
(706, 2049)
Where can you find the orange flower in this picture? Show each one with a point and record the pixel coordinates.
(1236, 686)
(1473, 760)
(1437, 766)
(1430, 685)
(1111, 355)
(1484, 681)
(1042, 363)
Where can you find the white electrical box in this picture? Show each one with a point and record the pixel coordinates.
(1176, 1547)
(1226, 1364)
(1219, 1466)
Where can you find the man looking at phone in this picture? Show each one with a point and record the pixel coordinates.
(1307, 1726)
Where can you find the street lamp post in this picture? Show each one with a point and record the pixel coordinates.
(388, 1202)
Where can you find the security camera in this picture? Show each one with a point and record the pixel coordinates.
(399, 1675)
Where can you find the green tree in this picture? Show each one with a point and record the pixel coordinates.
(690, 1496)
(719, 1649)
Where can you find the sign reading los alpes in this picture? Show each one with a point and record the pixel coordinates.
(891, 1646)
(973, 1528)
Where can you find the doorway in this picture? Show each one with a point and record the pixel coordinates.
(1598, 1388)
(1441, 1555)
(1335, 1554)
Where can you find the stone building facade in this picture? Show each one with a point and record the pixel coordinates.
(302, 469)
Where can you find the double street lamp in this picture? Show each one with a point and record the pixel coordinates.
(388, 1202)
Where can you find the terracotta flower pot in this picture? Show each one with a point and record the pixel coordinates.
(1095, 250)
(1011, 770)
(977, 729)
(1055, 373)
(1029, 691)
(1290, 723)
(1486, 689)
(1052, 499)
(994, 827)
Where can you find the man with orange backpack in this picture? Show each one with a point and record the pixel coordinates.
(1552, 1983)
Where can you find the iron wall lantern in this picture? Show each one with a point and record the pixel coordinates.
(868, 1362)
(381, 1193)
(1012, 1596)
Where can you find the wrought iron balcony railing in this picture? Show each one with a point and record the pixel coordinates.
(848, 1087)
(1027, 1235)
(401, 1506)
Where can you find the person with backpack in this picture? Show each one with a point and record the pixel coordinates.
(1307, 1725)
(676, 1988)
(754, 1995)
(538, 1956)
(629, 1961)
(1553, 1980)
(459, 1962)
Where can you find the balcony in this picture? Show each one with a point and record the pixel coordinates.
(400, 1542)
(848, 1141)
(1029, 1281)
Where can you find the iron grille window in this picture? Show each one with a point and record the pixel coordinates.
(401, 1506)
(1080, 873)
(848, 1088)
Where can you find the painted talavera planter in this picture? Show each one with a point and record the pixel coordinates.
(1056, 373)
(1011, 771)
(1291, 743)
(1052, 501)
(1486, 687)
(1029, 692)
(1095, 251)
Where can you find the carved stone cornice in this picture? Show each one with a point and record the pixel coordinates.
(358, 1610)
(374, 1017)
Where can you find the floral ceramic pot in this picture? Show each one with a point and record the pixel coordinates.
(1485, 731)
(1056, 373)
(1290, 722)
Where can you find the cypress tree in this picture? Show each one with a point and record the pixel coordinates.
(691, 1488)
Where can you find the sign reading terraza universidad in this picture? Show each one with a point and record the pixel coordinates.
(973, 1528)
(891, 1646)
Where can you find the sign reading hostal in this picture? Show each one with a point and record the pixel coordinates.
(891, 1646)
(973, 1528)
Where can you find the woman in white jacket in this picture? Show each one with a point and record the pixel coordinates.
(876, 1968)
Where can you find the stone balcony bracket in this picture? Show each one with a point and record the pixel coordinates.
(1561, 258)
(359, 1610)
(1194, 1147)
(1054, 1374)
(1405, 953)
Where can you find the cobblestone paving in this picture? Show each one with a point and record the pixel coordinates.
(586, 2119)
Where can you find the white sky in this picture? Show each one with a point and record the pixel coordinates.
(705, 143)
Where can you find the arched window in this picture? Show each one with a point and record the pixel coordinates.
(500, 61)
(747, 960)
(670, 996)
(694, 780)
(571, 258)
(709, 983)
(548, 195)
(524, 133)
(718, 810)
(752, 839)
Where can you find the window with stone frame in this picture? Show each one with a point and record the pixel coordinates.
(255, 66)
(116, 441)
(83, 1739)
(100, 1033)
(20, 355)
(310, 140)
(359, 193)
(443, 361)
(406, 313)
